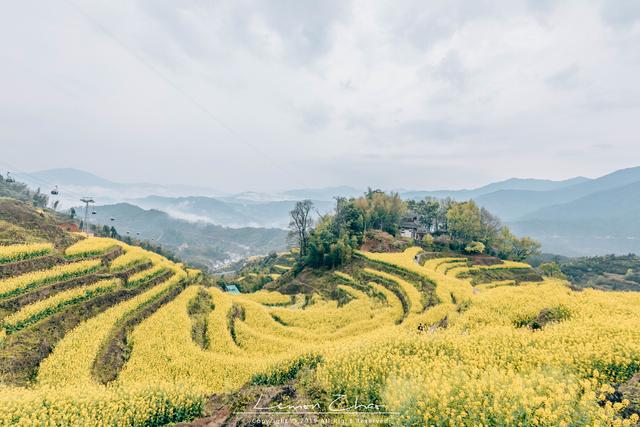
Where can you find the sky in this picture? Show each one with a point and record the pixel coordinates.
(259, 95)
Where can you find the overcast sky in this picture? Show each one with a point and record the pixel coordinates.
(262, 95)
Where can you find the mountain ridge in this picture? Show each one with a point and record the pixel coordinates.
(531, 184)
(513, 204)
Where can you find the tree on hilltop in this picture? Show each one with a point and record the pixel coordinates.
(301, 224)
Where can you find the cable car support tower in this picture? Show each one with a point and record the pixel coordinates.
(86, 201)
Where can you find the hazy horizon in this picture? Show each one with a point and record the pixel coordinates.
(203, 186)
(243, 96)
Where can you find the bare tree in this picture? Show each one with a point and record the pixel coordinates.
(301, 223)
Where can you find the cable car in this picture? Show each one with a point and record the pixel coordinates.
(55, 190)
(138, 233)
(9, 178)
(93, 212)
(113, 219)
(127, 232)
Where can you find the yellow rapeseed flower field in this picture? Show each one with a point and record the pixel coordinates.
(70, 363)
(147, 274)
(470, 360)
(413, 295)
(14, 285)
(268, 298)
(133, 255)
(91, 246)
(43, 307)
(13, 253)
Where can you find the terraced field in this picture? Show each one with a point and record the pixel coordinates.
(259, 271)
(113, 335)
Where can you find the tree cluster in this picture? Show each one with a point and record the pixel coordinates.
(332, 241)
(450, 225)
(110, 231)
(464, 226)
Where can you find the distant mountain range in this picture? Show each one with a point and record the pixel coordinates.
(80, 178)
(577, 216)
(229, 211)
(606, 220)
(200, 242)
(524, 184)
(511, 204)
(74, 184)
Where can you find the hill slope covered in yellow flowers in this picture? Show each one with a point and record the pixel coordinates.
(412, 336)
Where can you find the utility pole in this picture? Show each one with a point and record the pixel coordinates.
(86, 201)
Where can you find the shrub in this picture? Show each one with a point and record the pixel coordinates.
(427, 240)
(442, 242)
(474, 248)
(551, 269)
(544, 317)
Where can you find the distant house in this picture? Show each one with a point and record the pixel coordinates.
(232, 289)
(411, 227)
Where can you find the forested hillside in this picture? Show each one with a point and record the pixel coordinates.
(19, 191)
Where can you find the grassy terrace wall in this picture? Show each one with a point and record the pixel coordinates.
(425, 285)
(114, 354)
(518, 275)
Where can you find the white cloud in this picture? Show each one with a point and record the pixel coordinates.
(258, 95)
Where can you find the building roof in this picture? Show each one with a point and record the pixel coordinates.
(419, 228)
(408, 225)
(232, 289)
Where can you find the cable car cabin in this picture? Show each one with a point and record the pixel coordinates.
(55, 191)
(113, 219)
(9, 178)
